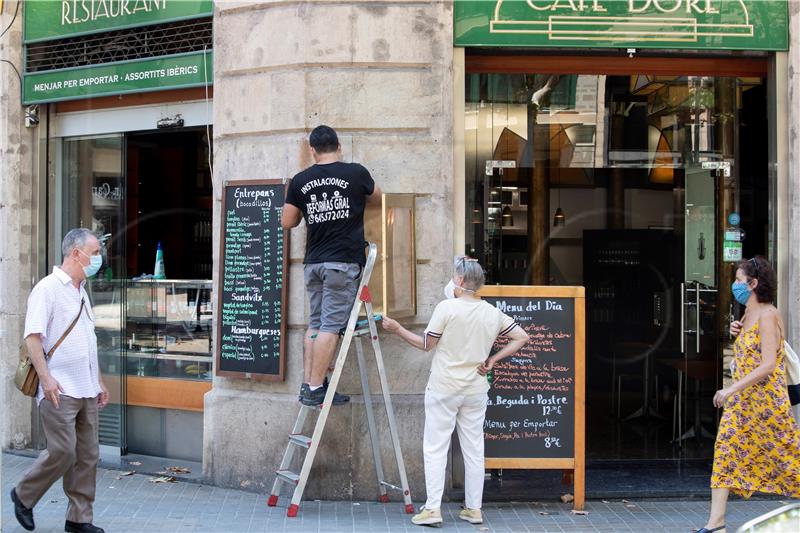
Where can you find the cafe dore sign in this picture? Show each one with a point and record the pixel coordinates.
(169, 72)
(55, 19)
(708, 24)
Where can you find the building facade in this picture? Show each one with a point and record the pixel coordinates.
(636, 148)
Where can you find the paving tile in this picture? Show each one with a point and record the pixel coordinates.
(132, 504)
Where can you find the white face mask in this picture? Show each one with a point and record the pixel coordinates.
(450, 290)
(95, 262)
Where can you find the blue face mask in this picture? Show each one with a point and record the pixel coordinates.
(95, 262)
(741, 292)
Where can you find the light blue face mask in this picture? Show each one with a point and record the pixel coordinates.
(741, 291)
(95, 262)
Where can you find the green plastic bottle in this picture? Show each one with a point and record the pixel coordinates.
(158, 270)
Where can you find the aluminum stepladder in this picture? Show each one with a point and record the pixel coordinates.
(297, 440)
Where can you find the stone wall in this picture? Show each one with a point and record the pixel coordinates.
(793, 261)
(17, 144)
(381, 74)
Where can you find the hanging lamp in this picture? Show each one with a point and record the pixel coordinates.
(559, 218)
(508, 217)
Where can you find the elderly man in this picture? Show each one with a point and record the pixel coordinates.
(71, 389)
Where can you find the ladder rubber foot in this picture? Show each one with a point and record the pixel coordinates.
(272, 501)
(410, 508)
(383, 498)
(291, 512)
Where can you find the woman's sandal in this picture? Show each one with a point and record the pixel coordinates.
(706, 530)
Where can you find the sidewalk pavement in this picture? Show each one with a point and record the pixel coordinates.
(134, 504)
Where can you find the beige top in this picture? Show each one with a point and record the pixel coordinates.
(466, 329)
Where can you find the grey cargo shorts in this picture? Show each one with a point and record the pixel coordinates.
(331, 288)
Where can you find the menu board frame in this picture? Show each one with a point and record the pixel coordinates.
(576, 463)
(255, 376)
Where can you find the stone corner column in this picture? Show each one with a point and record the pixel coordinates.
(381, 75)
(16, 228)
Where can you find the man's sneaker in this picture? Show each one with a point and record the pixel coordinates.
(473, 516)
(82, 527)
(303, 389)
(338, 399)
(428, 517)
(312, 397)
(316, 397)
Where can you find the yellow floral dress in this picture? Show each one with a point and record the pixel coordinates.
(758, 441)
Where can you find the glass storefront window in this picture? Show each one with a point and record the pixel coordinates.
(139, 192)
(608, 150)
(92, 187)
(168, 329)
(625, 184)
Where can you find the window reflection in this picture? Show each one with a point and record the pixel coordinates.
(609, 151)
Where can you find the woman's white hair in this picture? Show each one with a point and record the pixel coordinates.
(470, 271)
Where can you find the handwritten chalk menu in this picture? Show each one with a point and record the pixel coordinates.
(253, 288)
(531, 401)
(535, 411)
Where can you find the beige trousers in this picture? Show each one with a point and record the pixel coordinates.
(73, 451)
(466, 413)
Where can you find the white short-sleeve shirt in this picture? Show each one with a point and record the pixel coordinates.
(52, 306)
(466, 329)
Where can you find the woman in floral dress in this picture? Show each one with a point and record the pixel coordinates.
(758, 442)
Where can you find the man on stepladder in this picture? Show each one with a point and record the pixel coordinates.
(330, 196)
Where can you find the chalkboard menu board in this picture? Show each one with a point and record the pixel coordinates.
(535, 412)
(532, 402)
(252, 281)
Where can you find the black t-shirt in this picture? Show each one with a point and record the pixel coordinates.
(332, 198)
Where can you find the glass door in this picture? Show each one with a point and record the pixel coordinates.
(700, 262)
(91, 192)
(699, 303)
(624, 184)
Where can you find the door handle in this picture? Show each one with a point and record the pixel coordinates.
(697, 316)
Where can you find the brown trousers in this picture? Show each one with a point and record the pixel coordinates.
(73, 451)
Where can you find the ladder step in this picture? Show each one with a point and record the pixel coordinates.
(300, 440)
(390, 486)
(288, 476)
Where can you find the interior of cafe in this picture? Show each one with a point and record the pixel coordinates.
(148, 196)
(646, 189)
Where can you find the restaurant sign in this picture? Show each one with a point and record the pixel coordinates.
(707, 24)
(56, 19)
(170, 72)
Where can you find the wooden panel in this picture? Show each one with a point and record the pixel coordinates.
(580, 404)
(617, 65)
(127, 100)
(167, 393)
(532, 464)
(535, 291)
